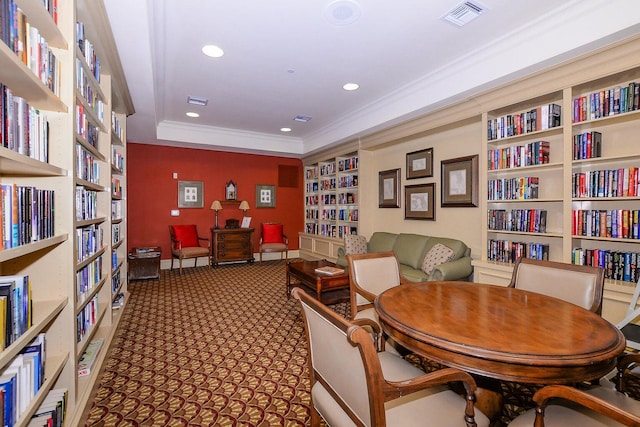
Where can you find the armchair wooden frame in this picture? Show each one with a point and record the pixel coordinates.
(270, 247)
(582, 285)
(378, 388)
(180, 252)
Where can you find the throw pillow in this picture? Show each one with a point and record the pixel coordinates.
(187, 235)
(272, 233)
(354, 244)
(438, 254)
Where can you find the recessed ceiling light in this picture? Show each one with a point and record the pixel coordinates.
(192, 114)
(351, 86)
(342, 12)
(285, 129)
(212, 51)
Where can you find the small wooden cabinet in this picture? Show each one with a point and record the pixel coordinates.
(231, 245)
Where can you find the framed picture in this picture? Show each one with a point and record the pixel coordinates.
(246, 222)
(389, 188)
(230, 190)
(420, 202)
(190, 194)
(420, 164)
(460, 182)
(265, 196)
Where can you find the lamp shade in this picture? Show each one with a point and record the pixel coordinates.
(216, 205)
(244, 205)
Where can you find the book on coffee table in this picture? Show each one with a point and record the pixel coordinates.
(329, 270)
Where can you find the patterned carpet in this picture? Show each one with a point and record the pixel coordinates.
(213, 347)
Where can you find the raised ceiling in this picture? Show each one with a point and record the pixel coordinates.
(285, 58)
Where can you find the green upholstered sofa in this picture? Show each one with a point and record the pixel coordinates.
(411, 250)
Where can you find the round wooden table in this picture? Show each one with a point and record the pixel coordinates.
(500, 332)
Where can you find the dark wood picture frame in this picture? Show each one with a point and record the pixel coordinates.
(190, 194)
(420, 164)
(459, 182)
(389, 188)
(420, 202)
(265, 196)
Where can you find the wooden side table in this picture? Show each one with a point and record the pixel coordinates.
(231, 244)
(144, 263)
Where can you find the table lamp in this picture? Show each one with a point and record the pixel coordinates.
(216, 206)
(244, 205)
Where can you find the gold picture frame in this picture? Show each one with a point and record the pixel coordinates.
(389, 188)
(420, 164)
(420, 202)
(459, 182)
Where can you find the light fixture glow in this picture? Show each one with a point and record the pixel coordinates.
(285, 129)
(192, 114)
(351, 86)
(212, 50)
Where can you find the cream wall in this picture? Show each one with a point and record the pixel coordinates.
(457, 140)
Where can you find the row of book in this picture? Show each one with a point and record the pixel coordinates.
(327, 169)
(311, 173)
(311, 228)
(116, 209)
(613, 223)
(87, 278)
(312, 187)
(87, 91)
(508, 251)
(85, 128)
(116, 187)
(26, 42)
(116, 282)
(348, 164)
(27, 215)
(86, 203)
(115, 233)
(327, 184)
(328, 214)
(345, 230)
(348, 214)
(534, 153)
(621, 182)
(347, 198)
(117, 159)
(543, 117)
(51, 6)
(607, 102)
(87, 167)
(23, 128)
(89, 240)
(521, 188)
(87, 49)
(52, 410)
(22, 379)
(587, 145)
(117, 128)
(311, 213)
(617, 265)
(522, 220)
(86, 319)
(311, 200)
(348, 181)
(15, 308)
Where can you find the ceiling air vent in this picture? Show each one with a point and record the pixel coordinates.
(464, 13)
(301, 118)
(197, 100)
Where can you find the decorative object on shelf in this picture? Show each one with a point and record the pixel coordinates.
(190, 194)
(265, 196)
(389, 188)
(420, 202)
(460, 182)
(246, 222)
(244, 206)
(216, 206)
(230, 190)
(232, 223)
(420, 164)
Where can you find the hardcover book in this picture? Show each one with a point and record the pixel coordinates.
(329, 270)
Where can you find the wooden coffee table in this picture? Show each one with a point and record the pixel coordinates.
(327, 289)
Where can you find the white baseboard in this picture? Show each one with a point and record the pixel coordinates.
(165, 264)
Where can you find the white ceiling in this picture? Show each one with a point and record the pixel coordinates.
(286, 57)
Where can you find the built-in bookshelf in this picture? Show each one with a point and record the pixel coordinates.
(331, 204)
(59, 164)
(568, 192)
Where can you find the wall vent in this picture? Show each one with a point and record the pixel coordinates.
(464, 13)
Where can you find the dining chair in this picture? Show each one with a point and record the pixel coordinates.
(273, 239)
(578, 284)
(186, 243)
(354, 384)
(369, 275)
(561, 405)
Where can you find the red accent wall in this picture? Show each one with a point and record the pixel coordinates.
(152, 192)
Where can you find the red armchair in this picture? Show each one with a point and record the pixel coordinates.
(185, 243)
(272, 239)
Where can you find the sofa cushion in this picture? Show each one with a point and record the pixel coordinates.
(410, 249)
(413, 274)
(354, 244)
(382, 241)
(437, 255)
